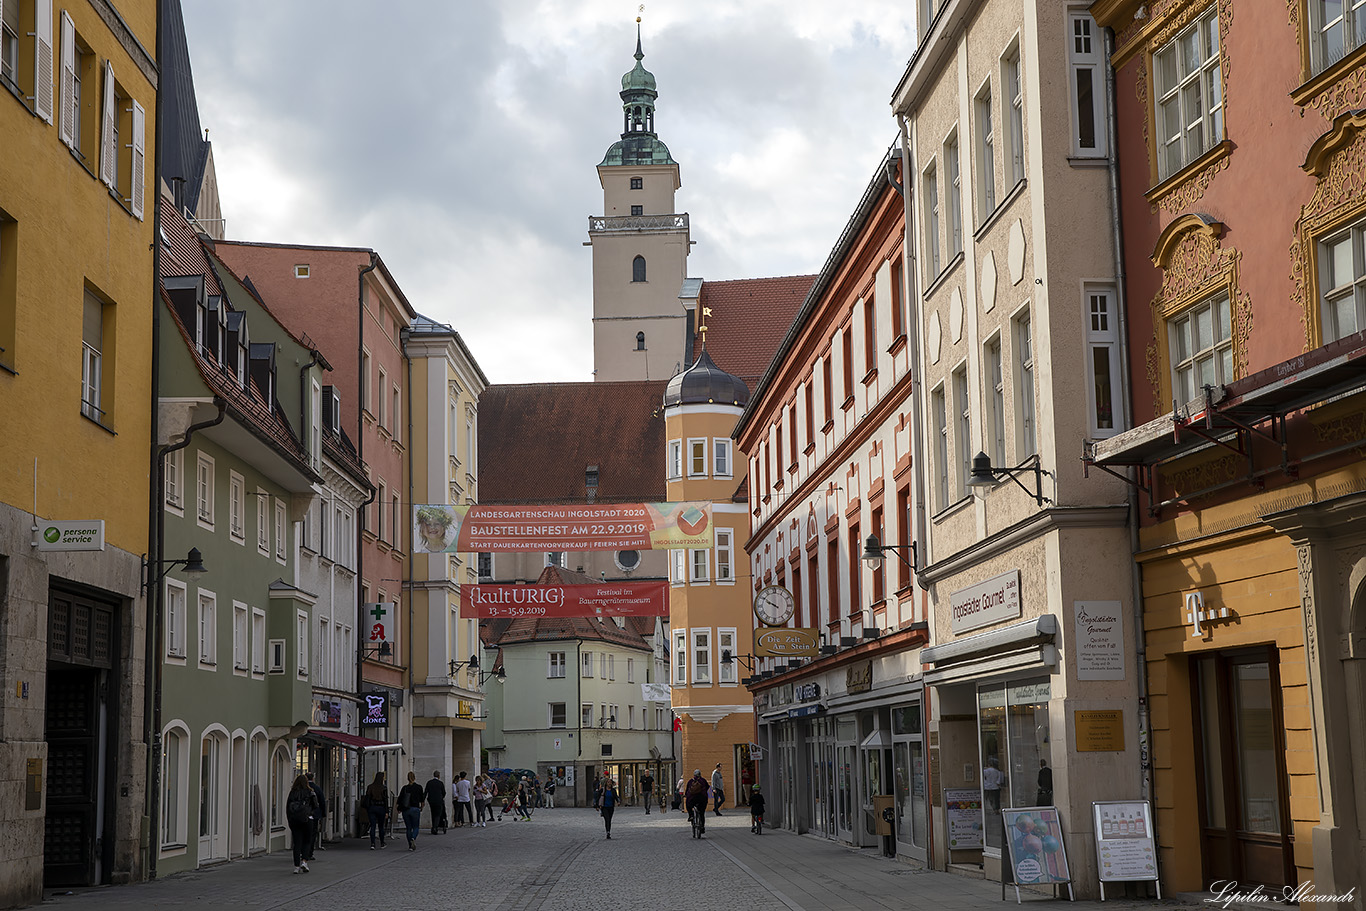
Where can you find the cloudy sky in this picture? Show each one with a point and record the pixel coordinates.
(459, 139)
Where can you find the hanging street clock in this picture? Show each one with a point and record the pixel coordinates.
(774, 605)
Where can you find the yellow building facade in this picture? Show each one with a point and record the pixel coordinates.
(709, 597)
(77, 116)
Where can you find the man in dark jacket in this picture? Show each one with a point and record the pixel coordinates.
(695, 797)
(436, 800)
(316, 825)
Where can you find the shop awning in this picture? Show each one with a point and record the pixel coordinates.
(1041, 629)
(351, 741)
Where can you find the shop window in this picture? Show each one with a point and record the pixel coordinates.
(1013, 731)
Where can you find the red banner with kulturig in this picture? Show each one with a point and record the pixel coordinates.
(605, 599)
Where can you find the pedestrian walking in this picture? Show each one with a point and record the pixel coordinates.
(756, 810)
(436, 801)
(718, 790)
(678, 795)
(609, 804)
(464, 792)
(522, 799)
(410, 798)
(550, 792)
(647, 788)
(300, 808)
(597, 792)
(377, 808)
(315, 836)
(481, 800)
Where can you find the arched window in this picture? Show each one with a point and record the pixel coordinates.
(638, 269)
(640, 341)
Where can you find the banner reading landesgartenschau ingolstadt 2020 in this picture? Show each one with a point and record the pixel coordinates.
(439, 528)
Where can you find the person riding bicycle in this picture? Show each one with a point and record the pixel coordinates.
(756, 808)
(695, 797)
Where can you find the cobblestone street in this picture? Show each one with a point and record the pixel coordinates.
(561, 861)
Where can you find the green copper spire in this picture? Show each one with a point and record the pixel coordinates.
(639, 145)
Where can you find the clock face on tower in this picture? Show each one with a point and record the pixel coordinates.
(774, 605)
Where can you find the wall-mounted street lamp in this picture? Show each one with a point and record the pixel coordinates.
(498, 673)
(746, 660)
(984, 476)
(383, 650)
(193, 563)
(873, 549)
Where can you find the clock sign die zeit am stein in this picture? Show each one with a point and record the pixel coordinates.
(774, 605)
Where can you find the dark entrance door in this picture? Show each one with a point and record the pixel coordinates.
(1245, 826)
(81, 647)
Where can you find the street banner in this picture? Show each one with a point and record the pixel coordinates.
(597, 599)
(441, 528)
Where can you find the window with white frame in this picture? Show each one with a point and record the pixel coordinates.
(1014, 113)
(1201, 346)
(174, 475)
(611, 667)
(381, 392)
(1342, 281)
(1086, 65)
(725, 642)
(939, 409)
(204, 473)
(175, 768)
(397, 411)
(602, 665)
(240, 644)
(176, 594)
(557, 714)
(258, 641)
(280, 782)
(301, 652)
(721, 458)
(612, 712)
(237, 507)
(701, 656)
(678, 566)
(630, 670)
(276, 648)
(1337, 27)
(953, 190)
(92, 360)
(697, 458)
(986, 155)
(930, 190)
(555, 666)
(680, 665)
(263, 522)
(1102, 374)
(280, 532)
(996, 402)
(962, 406)
(1025, 442)
(675, 459)
(631, 717)
(586, 714)
(725, 555)
(1189, 94)
(208, 629)
(585, 664)
(602, 714)
(698, 565)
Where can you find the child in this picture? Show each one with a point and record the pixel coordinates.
(756, 809)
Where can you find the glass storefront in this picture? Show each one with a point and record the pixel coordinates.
(908, 757)
(1013, 736)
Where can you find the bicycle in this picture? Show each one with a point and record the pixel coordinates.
(697, 821)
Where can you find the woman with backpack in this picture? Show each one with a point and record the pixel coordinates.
(377, 807)
(301, 807)
(410, 798)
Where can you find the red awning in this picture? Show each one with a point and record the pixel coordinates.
(353, 742)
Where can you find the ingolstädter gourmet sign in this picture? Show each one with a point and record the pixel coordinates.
(986, 603)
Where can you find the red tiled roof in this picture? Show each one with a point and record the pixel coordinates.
(535, 441)
(749, 318)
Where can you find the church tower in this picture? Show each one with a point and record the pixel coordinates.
(640, 246)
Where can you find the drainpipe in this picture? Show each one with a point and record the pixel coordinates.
(1121, 302)
(578, 703)
(408, 630)
(155, 628)
(151, 736)
(360, 457)
(913, 350)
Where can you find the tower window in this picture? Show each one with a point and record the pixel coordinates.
(638, 269)
(640, 341)
(637, 183)
(637, 210)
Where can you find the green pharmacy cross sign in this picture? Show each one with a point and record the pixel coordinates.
(379, 610)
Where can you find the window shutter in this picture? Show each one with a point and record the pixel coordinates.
(137, 191)
(108, 151)
(42, 59)
(66, 125)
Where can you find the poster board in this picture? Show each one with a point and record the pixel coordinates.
(1035, 850)
(963, 812)
(1125, 849)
